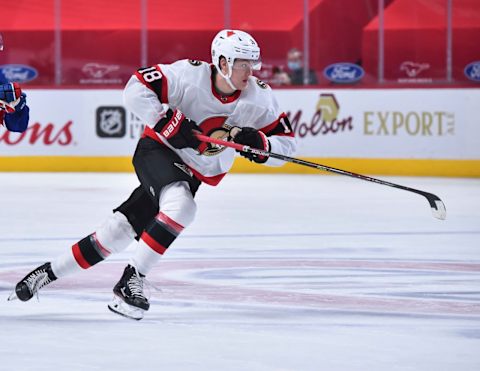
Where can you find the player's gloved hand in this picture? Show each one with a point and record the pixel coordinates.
(21, 103)
(255, 139)
(11, 97)
(179, 131)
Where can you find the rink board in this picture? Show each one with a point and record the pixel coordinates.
(392, 132)
(450, 168)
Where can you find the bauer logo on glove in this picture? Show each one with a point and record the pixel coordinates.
(173, 125)
(179, 131)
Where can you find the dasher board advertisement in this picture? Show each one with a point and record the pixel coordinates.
(356, 124)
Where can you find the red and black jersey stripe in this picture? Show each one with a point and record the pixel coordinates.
(154, 79)
(281, 127)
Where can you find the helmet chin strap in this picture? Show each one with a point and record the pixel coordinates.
(230, 83)
(227, 77)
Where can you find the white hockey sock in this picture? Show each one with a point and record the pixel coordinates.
(114, 235)
(177, 210)
(65, 264)
(144, 258)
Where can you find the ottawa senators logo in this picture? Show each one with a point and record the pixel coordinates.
(262, 84)
(215, 149)
(194, 62)
(215, 127)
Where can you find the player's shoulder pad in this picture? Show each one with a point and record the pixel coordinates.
(259, 88)
(187, 67)
(195, 62)
(189, 63)
(186, 63)
(260, 95)
(261, 84)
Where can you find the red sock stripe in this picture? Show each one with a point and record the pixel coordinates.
(77, 254)
(170, 222)
(154, 245)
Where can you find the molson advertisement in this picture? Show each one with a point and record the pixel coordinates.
(388, 131)
(428, 124)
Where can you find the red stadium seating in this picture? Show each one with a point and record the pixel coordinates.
(101, 43)
(416, 39)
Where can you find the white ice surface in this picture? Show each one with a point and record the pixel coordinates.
(276, 273)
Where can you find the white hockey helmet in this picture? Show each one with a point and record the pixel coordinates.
(235, 44)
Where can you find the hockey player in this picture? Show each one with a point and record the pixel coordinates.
(221, 100)
(14, 112)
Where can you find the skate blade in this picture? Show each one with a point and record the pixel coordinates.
(121, 308)
(12, 296)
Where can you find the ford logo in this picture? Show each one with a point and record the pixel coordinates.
(18, 72)
(343, 73)
(472, 71)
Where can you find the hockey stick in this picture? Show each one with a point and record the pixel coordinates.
(438, 207)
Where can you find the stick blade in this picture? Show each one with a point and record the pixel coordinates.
(439, 210)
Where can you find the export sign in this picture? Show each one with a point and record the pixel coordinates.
(384, 123)
(413, 123)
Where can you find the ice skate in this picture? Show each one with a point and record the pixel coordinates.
(32, 282)
(129, 300)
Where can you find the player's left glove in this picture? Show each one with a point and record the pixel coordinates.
(11, 97)
(255, 139)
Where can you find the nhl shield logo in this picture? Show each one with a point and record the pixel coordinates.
(111, 122)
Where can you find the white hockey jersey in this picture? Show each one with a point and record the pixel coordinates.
(187, 85)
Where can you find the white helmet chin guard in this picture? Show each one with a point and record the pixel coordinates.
(234, 44)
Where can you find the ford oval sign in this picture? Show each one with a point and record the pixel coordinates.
(18, 72)
(343, 73)
(472, 71)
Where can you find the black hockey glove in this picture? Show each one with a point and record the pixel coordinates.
(179, 131)
(255, 139)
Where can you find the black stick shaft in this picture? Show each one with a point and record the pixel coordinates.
(437, 205)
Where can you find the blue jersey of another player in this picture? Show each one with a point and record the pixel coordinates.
(14, 112)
